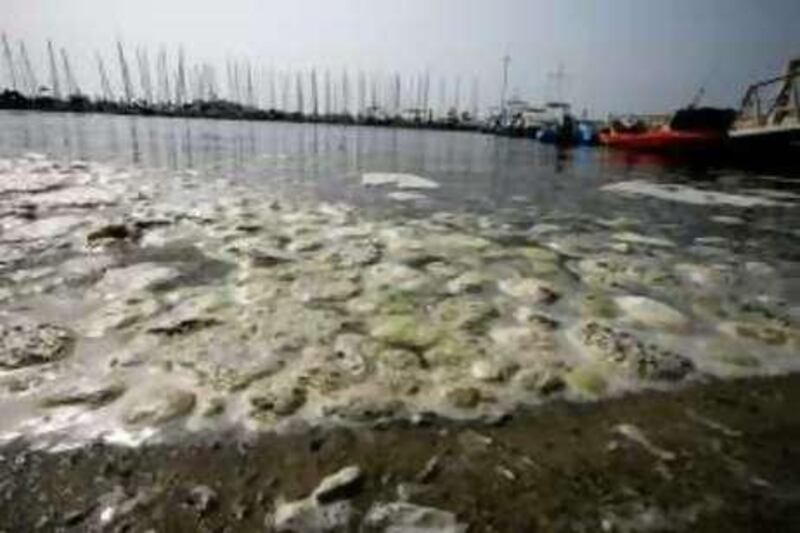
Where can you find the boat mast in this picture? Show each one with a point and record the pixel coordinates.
(180, 82)
(284, 79)
(211, 81)
(53, 71)
(104, 83)
(426, 94)
(362, 89)
(345, 93)
(12, 72)
(125, 73)
(397, 94)
(475, 89)
(299, 91)
(250, 92)
(327, 92)
(504, 91)
(273, 89)
(144, 74)
(314, 94)
(30, 76)
(443, 96)
(72, 85)
(163, 76)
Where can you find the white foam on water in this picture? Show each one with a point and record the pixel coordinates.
(681, 193)
(399, 180)
(401, 196)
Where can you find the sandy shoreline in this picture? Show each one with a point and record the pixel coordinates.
(720, 456)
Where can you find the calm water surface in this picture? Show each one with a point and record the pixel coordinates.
(515, 177)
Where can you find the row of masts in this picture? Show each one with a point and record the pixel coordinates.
(309, 91)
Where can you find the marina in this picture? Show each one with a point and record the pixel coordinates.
(294, 288)
(767, 119)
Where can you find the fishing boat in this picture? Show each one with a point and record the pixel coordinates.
(688, 129)
(769, 118)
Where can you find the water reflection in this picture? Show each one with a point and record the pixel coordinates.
(475, 171)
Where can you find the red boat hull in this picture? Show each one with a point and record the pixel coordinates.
(662, 140)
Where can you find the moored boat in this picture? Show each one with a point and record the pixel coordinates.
(664, 138)
(688, 130)
(769, 119)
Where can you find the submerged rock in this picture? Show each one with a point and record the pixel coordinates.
(113, 232)
(544, 380)
(25, 343)
(118, 314)
(353, 253)
(598, 305)
(352, 351)
(307, 516)
(455, 349)
(406, 517)
(530, 289)
(468, 282)
(770, 335)
(652, 313)
(464, 313)
(159, 406)
(587, 380)
(320, 288)
(92, 393)
(339, 486)
(491, 370)
(404, 331)
(635, 238)
(138, 277)
(77, 197)
(365, 409)
(706, 277)
(45, 228)
(398, 359)
(278, 400)
(395, 277)
(202, 499)
(464, 397)
(621, 348)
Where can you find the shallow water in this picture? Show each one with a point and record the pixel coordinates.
(259, 274)
(477, 172)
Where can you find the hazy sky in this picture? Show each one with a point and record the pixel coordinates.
(618, 55)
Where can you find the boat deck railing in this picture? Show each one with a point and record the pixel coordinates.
(773, 102)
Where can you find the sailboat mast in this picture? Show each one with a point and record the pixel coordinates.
(72, 85)
(328, 95)
(53, 71)
(30, 76)
(397, 94)
(143, 63)
(273, 91)
(180, 82)
(250, 93)
(345, 93)
(163, 77)
(457, 95)
(125, 73)
(12, 72)
(362, 90)
(299, 91)
(108, 94)
(314, 94)
(475, 89)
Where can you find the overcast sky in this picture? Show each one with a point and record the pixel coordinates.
(618, 55)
